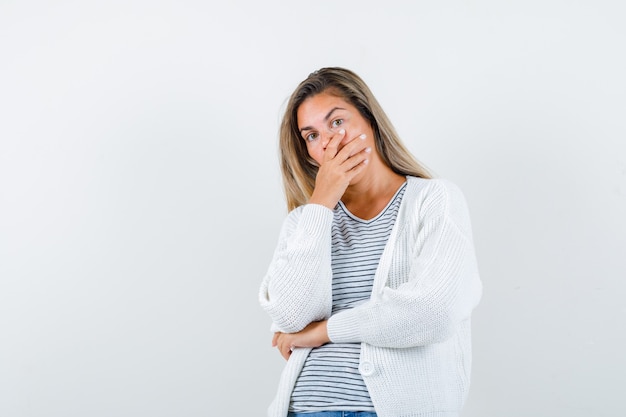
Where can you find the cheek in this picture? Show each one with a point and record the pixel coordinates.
(315, 152)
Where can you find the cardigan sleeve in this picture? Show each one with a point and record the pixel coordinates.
(440, 285)
(296, 289)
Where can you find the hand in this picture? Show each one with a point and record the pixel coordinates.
(338, 168)
(313, 335)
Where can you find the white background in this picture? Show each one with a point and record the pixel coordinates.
(140, 196)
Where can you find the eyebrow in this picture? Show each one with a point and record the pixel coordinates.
(330, 113)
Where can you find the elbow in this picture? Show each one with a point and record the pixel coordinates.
(449, 320)
(291, 317)
(286, 322)
(442, 326)
(445, 329)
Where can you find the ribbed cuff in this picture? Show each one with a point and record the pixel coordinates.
(343, 327)
(316, 219)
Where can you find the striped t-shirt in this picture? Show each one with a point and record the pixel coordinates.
(330, 379)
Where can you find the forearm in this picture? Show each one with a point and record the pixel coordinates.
(313, 335)
(426, 309)
(297, 287)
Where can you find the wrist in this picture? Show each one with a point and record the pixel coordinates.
(324, 332)
(326, 202)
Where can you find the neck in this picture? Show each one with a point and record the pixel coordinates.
(372, 193)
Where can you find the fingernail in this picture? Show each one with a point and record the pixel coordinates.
(362, 136)
(368, 149)
(342, 131)
(366, 161)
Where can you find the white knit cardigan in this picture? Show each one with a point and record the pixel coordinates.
(415, 329)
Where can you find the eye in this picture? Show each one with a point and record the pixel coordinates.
(310, 137)
(336, 123)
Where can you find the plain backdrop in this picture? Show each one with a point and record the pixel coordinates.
(140, 194)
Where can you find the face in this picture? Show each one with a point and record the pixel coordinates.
(322, 116)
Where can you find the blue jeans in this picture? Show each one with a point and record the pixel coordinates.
(334, 414)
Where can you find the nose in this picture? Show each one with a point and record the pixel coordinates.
(327, 137)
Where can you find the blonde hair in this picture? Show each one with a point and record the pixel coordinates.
(298, 168)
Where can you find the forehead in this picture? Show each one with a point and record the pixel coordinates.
(315, 108)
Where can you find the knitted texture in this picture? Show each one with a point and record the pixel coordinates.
(415, 329)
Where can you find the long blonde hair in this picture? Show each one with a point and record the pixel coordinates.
(298, 168)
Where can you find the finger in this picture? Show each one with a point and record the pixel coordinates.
(356, 170)
(282, 353)
(356, 145)
(332, 146)
(275, 339)
(285, 351)
(361, 158)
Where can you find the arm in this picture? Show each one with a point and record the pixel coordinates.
(440, 283)
(297, 287)
(313, 335)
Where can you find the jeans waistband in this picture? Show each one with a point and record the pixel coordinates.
(334, 414)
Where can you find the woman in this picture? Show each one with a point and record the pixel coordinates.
(374, 278)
